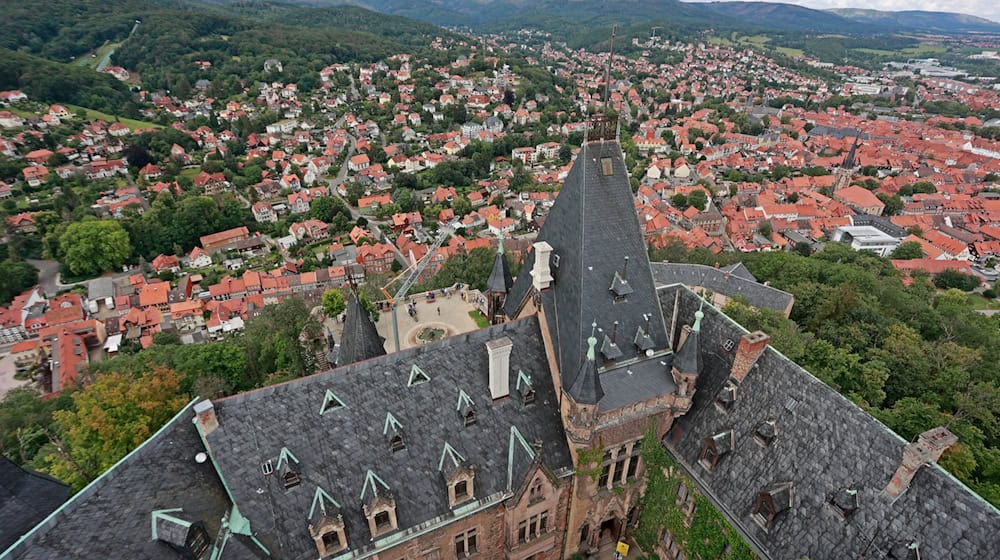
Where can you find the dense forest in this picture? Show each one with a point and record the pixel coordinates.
(53, 82)
(914, 356)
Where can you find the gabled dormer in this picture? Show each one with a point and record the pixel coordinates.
(609, 347)
(379, 505)
(393, 432)
(326, 524)
(713, 448)
(288, 469)
(466, 409)
(189, 538)
(458, 476)
(771, 501)
(524, 388)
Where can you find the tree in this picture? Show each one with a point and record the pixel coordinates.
(698, 198)
(765, 229)
(94, 246)
(333, 303)
(112, 416)
(679, 201)
(908, 250)
(955, 279)
(17, 277)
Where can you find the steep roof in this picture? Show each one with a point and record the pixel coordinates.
(738, 282)
(500, 279)
(360, 340)
(598, 253)
(26, 498)
(110, 518)
(416, 392)
(824, 445)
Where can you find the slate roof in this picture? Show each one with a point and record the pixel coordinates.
(360, 340)
(335, 450)
(593, 228)
(111, 518)
(500, 279)
(824, 445)
(736, 284)
(26, 498)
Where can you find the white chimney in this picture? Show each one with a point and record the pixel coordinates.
(541, 275)
(499, 352)
(207, 422)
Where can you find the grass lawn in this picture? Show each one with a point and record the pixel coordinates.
(788, 51)
(719, 41)
(758, 40)
(101, 52)
(481, 321)
(879, 52)
(979, 302)
(924, 48)
(190, 171)
(131, 123)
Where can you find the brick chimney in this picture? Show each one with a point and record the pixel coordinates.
(928, 447)
(205, 417)
(751, 346)
(541, 275)
(499, 352)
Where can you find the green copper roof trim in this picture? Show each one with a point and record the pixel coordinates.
(522, 378)
(331, 402)
(165, 515)
(321, 498)
(455, 456)
(464, 399)
(284, 457)
(100, 478)
(241, 526)
(500, 243)
(515, 435)
(370, 480)
(390, 422)
(417, 376)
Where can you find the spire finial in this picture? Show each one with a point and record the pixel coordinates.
(591, 345)
(500, 243)
(698, 315)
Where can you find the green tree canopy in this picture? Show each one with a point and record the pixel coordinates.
(94, 246)
(333, 303)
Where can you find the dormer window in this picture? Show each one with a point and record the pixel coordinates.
(461, 490)
(727, 396)
(714, 447)
(905, 551)
(524, 388)
(379, 505)
(607, 168)
(535, 493)
(466, 408)
(393, 431)
(766, 433)
(845, 502)
(772, 500)
(291, 479)
(326, 524)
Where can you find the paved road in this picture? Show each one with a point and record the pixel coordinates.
(48, 277)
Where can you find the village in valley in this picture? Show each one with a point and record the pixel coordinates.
(251, 239)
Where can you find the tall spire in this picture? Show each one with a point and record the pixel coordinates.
(360, 340)
(498, 285)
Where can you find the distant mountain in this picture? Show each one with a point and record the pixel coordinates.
(945, 22)
(789, 17)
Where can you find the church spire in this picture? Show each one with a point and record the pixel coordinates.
(360, 340)
(498, 285)
(586, 388)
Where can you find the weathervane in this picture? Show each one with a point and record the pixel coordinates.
(605, 126)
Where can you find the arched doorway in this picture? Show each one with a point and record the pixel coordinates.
(611, 530)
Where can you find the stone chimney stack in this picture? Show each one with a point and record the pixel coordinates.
(928, 447)
(751, 346)
(205, 417)
(541, 275)
(499, 352)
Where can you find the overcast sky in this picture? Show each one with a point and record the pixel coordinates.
(989, 9)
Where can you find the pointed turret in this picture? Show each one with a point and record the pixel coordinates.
(498, 285)
(687, 363)
(850, 160)
(360, 340)
(586, 388)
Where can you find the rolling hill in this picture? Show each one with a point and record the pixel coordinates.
(945, 22)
